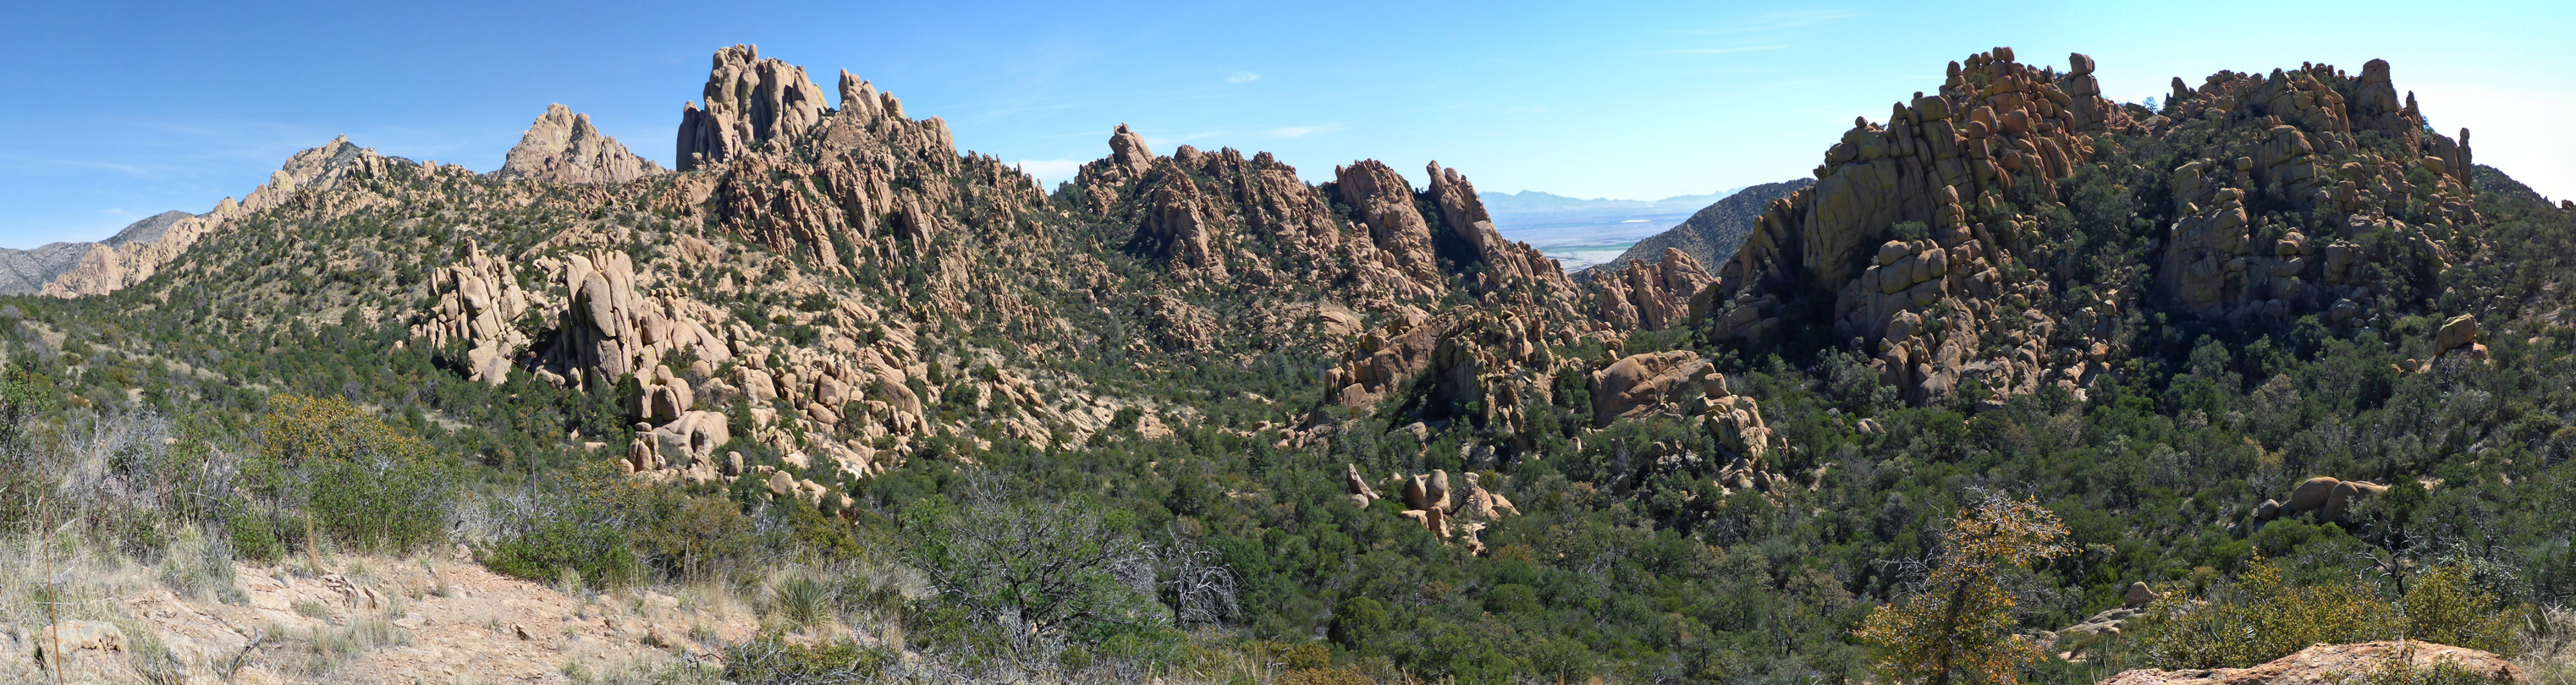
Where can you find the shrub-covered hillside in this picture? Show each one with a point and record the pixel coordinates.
(1190, 418)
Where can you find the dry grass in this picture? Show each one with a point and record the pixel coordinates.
(2548, 644)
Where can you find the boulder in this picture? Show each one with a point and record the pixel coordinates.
(1643, 381)
(2345, 495)
(2309, 496)
(76, 635)
(2139, 595)
(2460, 331)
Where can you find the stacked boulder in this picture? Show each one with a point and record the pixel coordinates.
(1736, 422)
(1430, 503)
(1645, 382)
(479, 305)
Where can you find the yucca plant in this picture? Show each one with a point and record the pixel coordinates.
(801, 600)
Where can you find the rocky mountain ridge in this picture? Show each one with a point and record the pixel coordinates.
(1711, 235)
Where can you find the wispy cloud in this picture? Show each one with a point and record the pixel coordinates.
(1301, 131)
(1724, 51)
(1242, 77)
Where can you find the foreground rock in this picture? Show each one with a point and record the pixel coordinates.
(2335, 664)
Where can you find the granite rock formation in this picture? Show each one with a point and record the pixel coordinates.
(563, 147)
(1930, 237)
(1649, 296)
(2324, 664)
(749, 101)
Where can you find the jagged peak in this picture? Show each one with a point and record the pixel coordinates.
(563, 146)
(748, 101)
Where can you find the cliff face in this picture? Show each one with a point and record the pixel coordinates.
(1959, 240)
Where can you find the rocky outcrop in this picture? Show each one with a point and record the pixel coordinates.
(478, 310)
(1485, 364)
(563, 147)
(1885, 235)
(749, 101)
(1649, 296)
(1497, 264)
(1714, 233)
(2335, 664)
(1643, 382)
(1381, 204)
(610, 328)
(2240, 247)
(1458, 515)
(1916, 236)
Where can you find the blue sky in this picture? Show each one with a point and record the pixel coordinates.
(121, 110)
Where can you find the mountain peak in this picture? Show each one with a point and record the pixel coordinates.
(563, 146)
(749, 100)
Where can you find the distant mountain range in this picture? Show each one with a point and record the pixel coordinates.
(1712, 234)
(1580, 233)
(25, 272)
(1529, 203)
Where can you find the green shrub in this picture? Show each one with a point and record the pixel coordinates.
(364, 483)
(771, 660)
(603, 554)
(2262, 617)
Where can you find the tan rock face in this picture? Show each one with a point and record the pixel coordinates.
(1382, 201)
(2325, 664)
(749, 101)
(563, 147)
(2330, 498)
